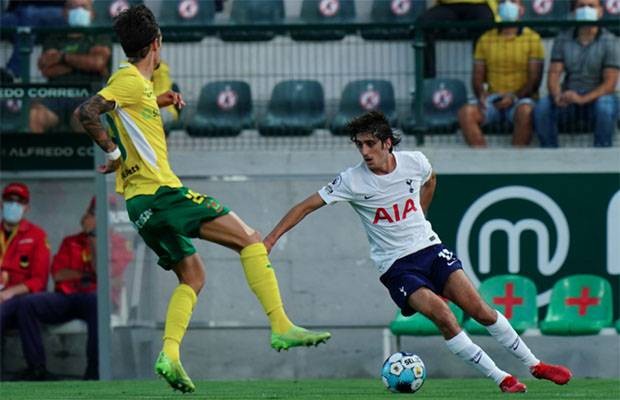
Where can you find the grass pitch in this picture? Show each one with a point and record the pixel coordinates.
(358, 389)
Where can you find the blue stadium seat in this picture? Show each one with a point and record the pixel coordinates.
(190, 13)
(296, 108)
(106, 10)
(611, 9)
(254, 12)
(324, 12)
(442, 99)
(224, 109)
(545, 10)
(393, 11)
(359, 97)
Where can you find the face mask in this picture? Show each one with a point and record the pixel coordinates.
(12, 212)
(508, 11)
(586, 13)
(79, 17)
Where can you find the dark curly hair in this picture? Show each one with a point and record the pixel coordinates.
(136, 29)
(376, 123)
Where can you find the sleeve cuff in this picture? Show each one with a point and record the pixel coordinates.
(323, 194)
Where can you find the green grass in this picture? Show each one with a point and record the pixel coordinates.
(358, 389)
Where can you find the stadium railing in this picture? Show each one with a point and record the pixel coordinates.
(332, 63)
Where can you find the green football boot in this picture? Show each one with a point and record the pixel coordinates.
(297, 336)
(174, 374)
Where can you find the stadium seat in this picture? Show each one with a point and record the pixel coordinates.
(442, 99)
(224, 109)
(362, 96)
(514, 296)
(393, 12)
(262, 13)
(545, 10)
(106, 10)
(324, 12)
(418, 324)
(296, 108)
(611, 10)
(186, 13)
(580, 305)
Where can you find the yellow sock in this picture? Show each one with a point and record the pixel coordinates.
(263, 282)
(179, 313)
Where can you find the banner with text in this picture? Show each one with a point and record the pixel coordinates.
(542, 226)
(28, 152)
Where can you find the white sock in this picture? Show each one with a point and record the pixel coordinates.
(503, 332)
(472, 354)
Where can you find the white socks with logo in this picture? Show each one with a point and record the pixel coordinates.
(503, 332)
(472, 354)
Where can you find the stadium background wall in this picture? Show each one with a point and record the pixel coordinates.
(325, 274)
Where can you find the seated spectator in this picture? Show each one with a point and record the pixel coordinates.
(509, 61)
(33, 13)
(452, 10)
(71, 58)
(589, 59)
(75, 295)
(161, 84)
(24, 266)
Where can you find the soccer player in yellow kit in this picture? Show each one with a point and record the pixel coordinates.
(165, 212)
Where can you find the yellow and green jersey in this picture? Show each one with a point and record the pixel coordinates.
(137, 128)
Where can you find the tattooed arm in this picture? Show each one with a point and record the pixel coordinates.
(88, 114)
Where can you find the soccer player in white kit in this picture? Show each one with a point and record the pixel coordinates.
(391, 192)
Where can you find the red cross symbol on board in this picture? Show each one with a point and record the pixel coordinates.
(583, 301)
(508, 300)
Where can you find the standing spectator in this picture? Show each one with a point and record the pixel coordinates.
(33, 13)
(589, 58)
(24, 265)
(75, 295)
(509, 60)
(71, 58)
(452, 10)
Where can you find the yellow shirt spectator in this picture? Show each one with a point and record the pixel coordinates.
(161, 84)
(137, 128)
(506, 58)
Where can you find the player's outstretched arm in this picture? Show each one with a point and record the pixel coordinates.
(88, 114)
(427, 192)
(292, 218)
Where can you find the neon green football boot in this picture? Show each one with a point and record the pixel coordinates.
(174, 374)
(297, 336)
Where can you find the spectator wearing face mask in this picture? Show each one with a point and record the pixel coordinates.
(75, 292)
(71, 58)
(24, 263)
(33, 13)
(508, 64)
(581, 80)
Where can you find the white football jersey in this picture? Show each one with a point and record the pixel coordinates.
(388, 205)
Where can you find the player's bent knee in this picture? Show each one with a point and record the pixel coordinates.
(445, 321)
(485, 315)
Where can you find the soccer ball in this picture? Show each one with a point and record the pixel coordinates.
(403, 372)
